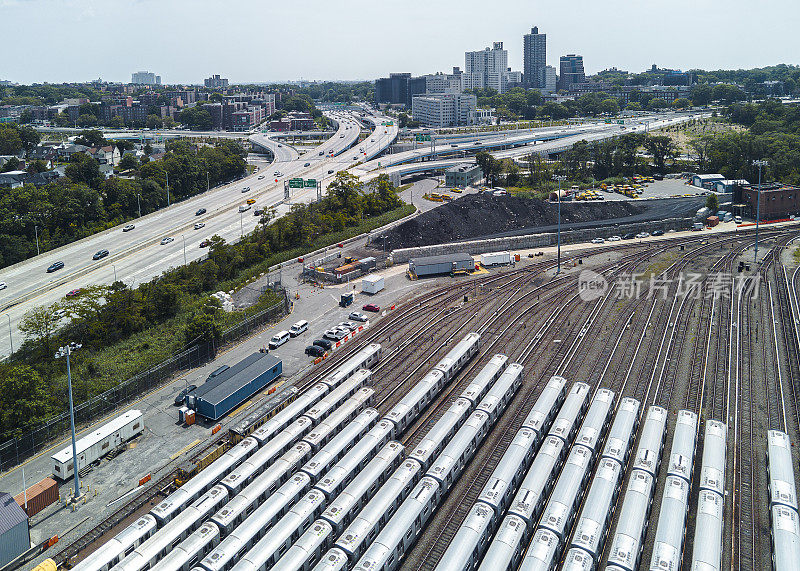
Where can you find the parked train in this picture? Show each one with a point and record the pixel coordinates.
(784, 518)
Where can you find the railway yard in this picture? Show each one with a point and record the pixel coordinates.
(615, 415)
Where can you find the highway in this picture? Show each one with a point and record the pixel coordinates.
(138, 256)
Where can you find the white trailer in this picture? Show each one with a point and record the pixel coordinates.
(495, 259)
(98, 443)
(372, 284)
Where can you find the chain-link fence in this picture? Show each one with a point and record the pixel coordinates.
(14, 449)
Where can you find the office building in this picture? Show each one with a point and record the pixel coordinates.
(216, 82)
(145, 78)
(463, 175)
(534, 55)
(444, 82)
(444, 109)
(571, 71)
(486, 68)
(393, 89)
(549, 79)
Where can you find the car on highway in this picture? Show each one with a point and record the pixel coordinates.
(100, 254)
(74, 292)
(278, 173)
(258, 212)
(205, 243)
(251, 201)
(261, 177)
(181, 396)
(342, 135)
(371, 307)
(321, 153)
(200, 212)
(358, 316)
(244, 207)
(315, 351)
(614, 239)
(597, 241)
(658, 233)
(307, 165)
(324, 343)
(279, 145)
(3, 285)
(128, 227)
(330, 171)
(167, 240)
(355, 158)
(199, 225)
(54, 267)
(246, 189)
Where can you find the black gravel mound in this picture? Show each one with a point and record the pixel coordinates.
(484, 216)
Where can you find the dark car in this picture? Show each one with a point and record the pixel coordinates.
(182, 395)
(200, 212)
(205, 243)
(307, 165)
(324, 343)
(657, 233)
(629, 236)
(75, 292)
(330, 171)
(371, 307)
(100, 254)
(217, 372)
(315, 351)
(658, 176)
(55, 266)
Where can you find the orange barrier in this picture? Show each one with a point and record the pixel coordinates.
(144, 480)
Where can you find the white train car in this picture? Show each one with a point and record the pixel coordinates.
(98, 443)
(542, 552)
(509, 472)
(470, 541)
(186, 555)
(476, 390)
(632, 522)
(570, 487)
(569, 417)
(621, 436)
(307, 550)
(707, 552)
(668, 546)
(651, 442)
(334, 560)
(528, 502)
(712, 468)
(597, 420)
(547, 405)
(780, 470)
(115, 549)
(684, 444)
(437, 437)
(506, 549)
(594, 521)
(785, 538)
(340, 444)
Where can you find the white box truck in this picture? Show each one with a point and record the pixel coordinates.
(372, 284)
(495, 259)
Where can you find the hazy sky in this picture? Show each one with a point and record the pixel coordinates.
(185, 41)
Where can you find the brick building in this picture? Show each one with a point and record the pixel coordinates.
(777, 200)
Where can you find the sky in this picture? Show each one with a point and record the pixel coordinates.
(185, 41)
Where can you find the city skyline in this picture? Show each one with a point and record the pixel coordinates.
(349, 41)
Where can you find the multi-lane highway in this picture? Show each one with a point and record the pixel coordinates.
(138, 255)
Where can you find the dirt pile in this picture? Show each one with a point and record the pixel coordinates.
(480, 216)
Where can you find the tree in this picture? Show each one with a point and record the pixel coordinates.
(681, 103)
(662, 148)
(91, 138)
(11, 164)
(702, 147)
(154, 122)
(712, 202)
(39, 324)
(23, 397)
(83, 168)
(128, 161)
(87, 120)
(657, 103)
(490, 166)
(701, 94)
(10, 140)
(36, 166)
(196, 118)
(610, 106)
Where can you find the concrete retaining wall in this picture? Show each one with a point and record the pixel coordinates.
(528, 241)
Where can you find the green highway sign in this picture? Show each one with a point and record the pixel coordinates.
(295, 183)
(421, 138)
(310, 183)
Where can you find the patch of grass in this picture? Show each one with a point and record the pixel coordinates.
(796, 255)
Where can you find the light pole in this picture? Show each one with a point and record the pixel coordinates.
(115, 272)
(10, 339)
(36, 231)
(139, 203)
(759, 163)
(184, 249)
(65, 352)
(241, 223)
(166, 173)
(559, 178)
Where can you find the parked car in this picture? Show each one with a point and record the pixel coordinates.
(261, 177)
(347, 326)
(614, 239)
(315, 351)
(324, 343)
(167, 240)
(629, 236)
(181, 396)
(334, 334)
(298, 328)
(658, 232)
(597, 241)
(128, 227)
(199, 225)
(371, 307)
(358, 316)
(59, 313)
(74, 292)
(99, 255)
(278, 339)
(200, 212)
(643, 235)
(55, 266)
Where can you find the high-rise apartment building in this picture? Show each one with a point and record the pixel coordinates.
(486, 68)
(571, 71)
(145, 78)
(216, 82)
(534, 59)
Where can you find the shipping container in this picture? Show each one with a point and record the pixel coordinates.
(98, 443)
(38, 496)
(444, 264)
(495, 259)
(372, 284)
(231, 388)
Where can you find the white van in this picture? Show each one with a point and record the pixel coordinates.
(737, 219)
(278, 339)
(298, 328)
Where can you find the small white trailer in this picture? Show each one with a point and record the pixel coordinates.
(372, 284)
(495, 259)
(98, 443)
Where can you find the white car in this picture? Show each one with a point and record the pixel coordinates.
(597, 241)
(358, 316)
(615, 239)
(244, 207)
(167, 240)
(245, 189)
(643, 235)
(199, 225)
(334, 334)
(347, 325)
(3, 285)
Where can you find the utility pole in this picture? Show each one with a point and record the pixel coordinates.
(758, 163)
(165, 172)
(559, 178)
(65, 352)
